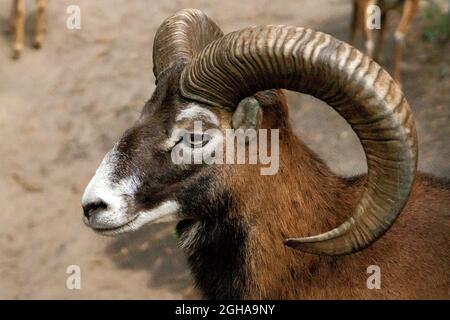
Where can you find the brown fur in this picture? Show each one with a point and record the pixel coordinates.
(233, 220)
(306, 198)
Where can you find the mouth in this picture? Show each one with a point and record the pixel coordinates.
(103, 225)
(181, 226)
(114, 231)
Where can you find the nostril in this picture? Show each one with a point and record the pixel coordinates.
(90, 208)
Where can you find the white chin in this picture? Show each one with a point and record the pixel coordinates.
(165, 212)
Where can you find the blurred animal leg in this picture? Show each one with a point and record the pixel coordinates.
(354, 23)
(367, 32)
(18, 22)
(368, 40)
(10, 25)
(409, 10)
(40, 23)
(380, 43)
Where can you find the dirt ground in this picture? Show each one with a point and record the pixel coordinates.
(61, 109)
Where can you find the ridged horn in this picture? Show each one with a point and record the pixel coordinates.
(180, 37)
(261, 58)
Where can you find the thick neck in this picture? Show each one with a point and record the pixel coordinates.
(243, 255)
(304, 198)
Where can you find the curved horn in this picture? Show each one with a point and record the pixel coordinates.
(180, 37)
(260, 58)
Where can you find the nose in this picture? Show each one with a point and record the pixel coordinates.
(90, 208)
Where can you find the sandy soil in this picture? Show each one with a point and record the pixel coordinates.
(62, 107)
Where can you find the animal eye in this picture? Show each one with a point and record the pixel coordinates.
(196, 140)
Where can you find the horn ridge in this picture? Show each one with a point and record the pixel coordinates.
(363, 93)
(180, 37)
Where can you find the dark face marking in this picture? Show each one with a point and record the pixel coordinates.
(142, 151)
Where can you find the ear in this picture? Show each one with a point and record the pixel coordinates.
(248, 115)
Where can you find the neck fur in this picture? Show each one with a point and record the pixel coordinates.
(241, 254)
(305, 198)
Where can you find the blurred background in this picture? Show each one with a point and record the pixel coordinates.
(62, 108)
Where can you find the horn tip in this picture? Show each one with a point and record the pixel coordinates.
(297, 244)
